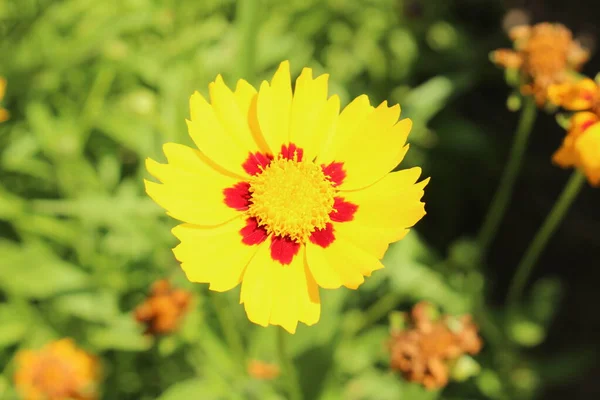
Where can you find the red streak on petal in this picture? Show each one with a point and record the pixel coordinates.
(588, 95)
(238, 197)
(289, 151)
(283, 249)
(335, 172)
(587, 124)
(253, 234)
(343, 211)
(323, 237)
(256, 163)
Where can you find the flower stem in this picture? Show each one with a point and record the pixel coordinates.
(504, 192)
(230, 331)
(247, 25)
(560, 208)
(378, 310)
(289, 371)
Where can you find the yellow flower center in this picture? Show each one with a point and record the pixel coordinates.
(291, 198)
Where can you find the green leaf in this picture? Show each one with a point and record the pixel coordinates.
(122, 334)
(34, 271)
(93, 307)
(204, 389)
(411, 277)
(426, 100)
(14, 324)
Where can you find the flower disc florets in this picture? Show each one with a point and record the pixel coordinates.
(291, 198)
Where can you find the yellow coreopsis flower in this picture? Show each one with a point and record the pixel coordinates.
(285, 194)
(3, 113)
(59, 371)
(581, 146)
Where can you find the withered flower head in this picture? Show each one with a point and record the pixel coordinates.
(544, 54)
(58, 371)
(163, 309)
(262, 370)
(423, 352)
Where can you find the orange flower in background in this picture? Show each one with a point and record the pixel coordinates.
(163, 309)
(3, 113)
(262, 370)
(286, 194)
(58, 371)
(545, 54)
(424, 351)
(581, 146)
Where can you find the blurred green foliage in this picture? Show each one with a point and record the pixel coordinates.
(96, 87)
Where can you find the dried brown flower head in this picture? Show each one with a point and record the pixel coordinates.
(163, 309)
(423, 352)
(545, 54)
(262, 370)
(58, 371)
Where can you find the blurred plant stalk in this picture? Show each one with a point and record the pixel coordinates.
(504, 192)
(556, 215)
(247, 26)
(289, 372)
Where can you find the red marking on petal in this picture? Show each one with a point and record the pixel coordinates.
(587, 124)
(588, 95)
(256, 163)
(283, 249)
(288, 152)
(323, 237)
(335, 172)
(343, 211)
(238, 197)
(253, 234)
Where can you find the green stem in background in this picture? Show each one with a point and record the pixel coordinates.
(378, 310)
(230, 331)
(287, 367)
(247, 29)
(525, 267)
(505, 189)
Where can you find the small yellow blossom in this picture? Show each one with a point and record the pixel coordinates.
(59, 371)
(3, 113)
(581, 146)
(545, 54)
(286, 194)
(424, 351)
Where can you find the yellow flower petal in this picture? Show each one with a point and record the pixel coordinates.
(352, 115)
(565, 156)
(246, 98)
(213, 139)
(580, 95)
(392, 204)
(341, 263)
(275, 294)
(216, 256)
(191, 191)
(232, 111)
(370, 142)
(312, 116)
(373, 240)
(273, 108)
(588, 151)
